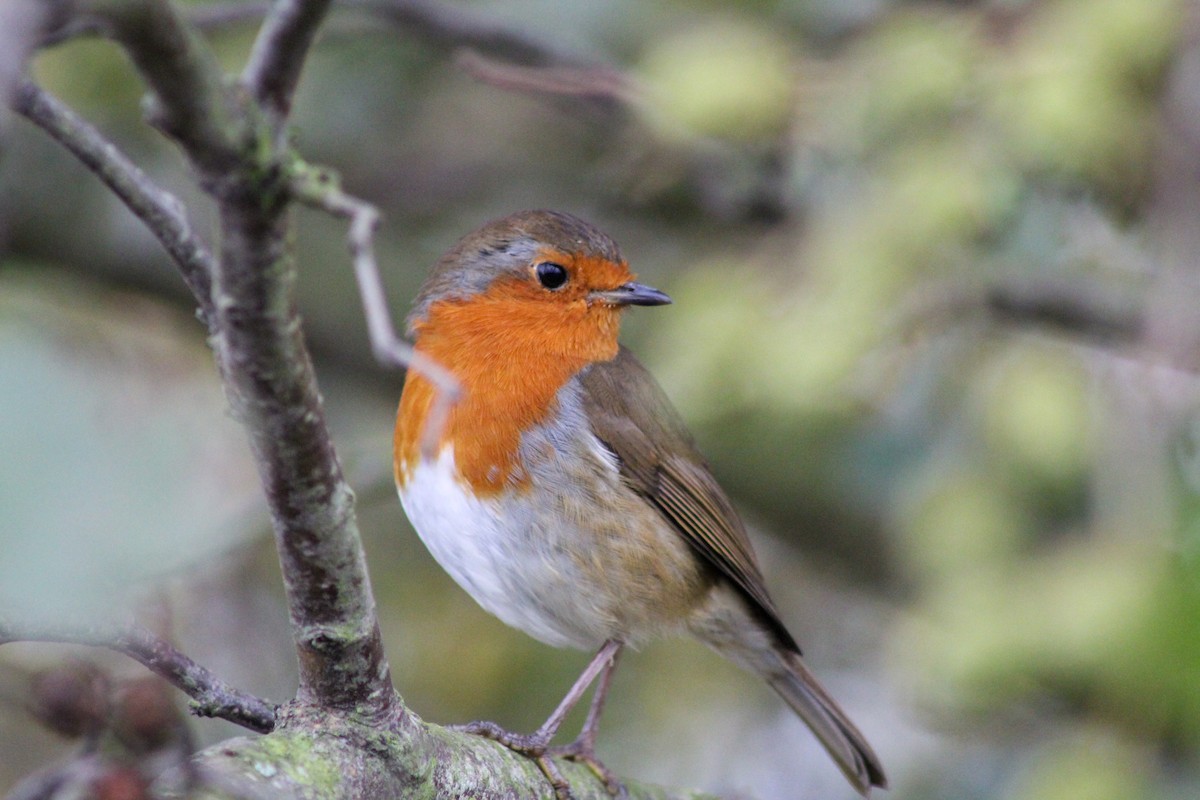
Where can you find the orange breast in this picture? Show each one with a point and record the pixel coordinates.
(512, 350)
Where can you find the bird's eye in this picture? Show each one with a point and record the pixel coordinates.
(551, 275)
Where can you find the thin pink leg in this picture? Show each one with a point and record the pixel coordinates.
(591, 725)
(536, 745)
(583, 749)
(601, 665)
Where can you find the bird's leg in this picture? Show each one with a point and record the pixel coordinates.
(583, 749)
(536, 745)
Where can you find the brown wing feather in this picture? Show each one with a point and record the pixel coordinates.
(659, 460)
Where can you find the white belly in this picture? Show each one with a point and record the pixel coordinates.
(496, 550)
(569, 568)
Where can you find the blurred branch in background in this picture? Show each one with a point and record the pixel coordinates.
(130, 734)
(455, 26)
(1066, 309)
(1085, 314)
(211, 696)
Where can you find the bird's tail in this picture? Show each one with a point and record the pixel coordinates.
(808, 698)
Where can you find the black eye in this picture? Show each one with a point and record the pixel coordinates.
(551, 275)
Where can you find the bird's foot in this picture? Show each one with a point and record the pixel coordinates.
(531, 745)
(583, 751)
(528, 744)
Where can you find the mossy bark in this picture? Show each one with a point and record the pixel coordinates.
(316, 755)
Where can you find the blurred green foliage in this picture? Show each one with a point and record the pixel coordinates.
(989, 519)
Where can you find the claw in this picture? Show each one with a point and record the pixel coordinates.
(527, 744)
(582, 752)
(533, 746)
(562, 789)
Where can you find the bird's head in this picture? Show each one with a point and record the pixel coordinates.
(539, 281)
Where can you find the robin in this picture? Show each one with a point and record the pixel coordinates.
(563, 491)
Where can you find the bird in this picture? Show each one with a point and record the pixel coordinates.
(564, 493)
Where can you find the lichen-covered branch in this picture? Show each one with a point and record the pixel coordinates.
(274, 395)
(432, 762)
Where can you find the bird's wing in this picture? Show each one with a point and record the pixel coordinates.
(658, 459)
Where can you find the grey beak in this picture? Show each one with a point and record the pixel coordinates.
(633, 294)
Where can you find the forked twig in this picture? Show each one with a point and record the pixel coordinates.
(279, 53)
(319, 189)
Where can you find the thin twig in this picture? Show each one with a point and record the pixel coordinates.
(1081, 312)
(160, 210)
(587, 83)
(1082, 315)
(319, 190)
(279, 52)
(211, 697)
(487, 49)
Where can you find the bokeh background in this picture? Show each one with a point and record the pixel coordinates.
(936, 323)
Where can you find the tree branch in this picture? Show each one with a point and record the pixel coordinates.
(158, 209)
(211, 697)
(279, 52)
(266, 366)
(274, 394)
(433, 763)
